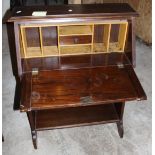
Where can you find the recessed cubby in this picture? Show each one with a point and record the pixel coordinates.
(49, 40)
(31, 42)
(61, 40)
(39, 41)
(101, 38)
(118, 37)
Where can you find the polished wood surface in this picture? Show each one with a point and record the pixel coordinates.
(75, 61)
(71, 87)
(77, 10)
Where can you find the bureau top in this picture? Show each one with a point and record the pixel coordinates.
(75, 10)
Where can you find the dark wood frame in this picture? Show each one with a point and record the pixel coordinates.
(17, 3)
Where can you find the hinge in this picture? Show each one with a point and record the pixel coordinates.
(120, 65)
(35, 71)
(86, 100)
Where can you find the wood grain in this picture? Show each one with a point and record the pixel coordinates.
(108, 9)
(75, 61)
(65, 88)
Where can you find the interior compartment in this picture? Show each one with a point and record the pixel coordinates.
(50, 40)
(118, 37)
(75, 30)
(75, 39)
(101, 38)
(31, 42)
(39, 41)
(47, 40)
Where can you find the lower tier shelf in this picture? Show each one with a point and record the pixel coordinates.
(71, 117)
(80, 49)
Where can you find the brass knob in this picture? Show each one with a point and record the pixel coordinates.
(76, 40)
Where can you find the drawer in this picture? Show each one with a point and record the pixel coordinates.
(70, 40)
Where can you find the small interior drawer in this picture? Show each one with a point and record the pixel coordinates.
(70, 40)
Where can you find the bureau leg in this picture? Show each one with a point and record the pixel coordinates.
(17, 98)
(120, 128)
(31, 117)
(34, 138)
(120, 110)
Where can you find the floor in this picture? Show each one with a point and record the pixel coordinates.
(94, 140)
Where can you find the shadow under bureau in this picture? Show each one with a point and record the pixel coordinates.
(73, 66)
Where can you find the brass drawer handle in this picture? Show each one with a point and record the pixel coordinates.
(76, 40)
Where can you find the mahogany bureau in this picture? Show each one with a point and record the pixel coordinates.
(73, 64)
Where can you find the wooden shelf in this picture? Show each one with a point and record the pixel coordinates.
(115, 47)
(50, 51)
(75, 45)
(99, 48)
(72, 50)
(33, 52)
(75, 30)
(69, 117)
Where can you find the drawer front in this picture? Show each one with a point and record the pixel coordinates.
(71, 40)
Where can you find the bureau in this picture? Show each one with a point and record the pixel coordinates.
(73, 64)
